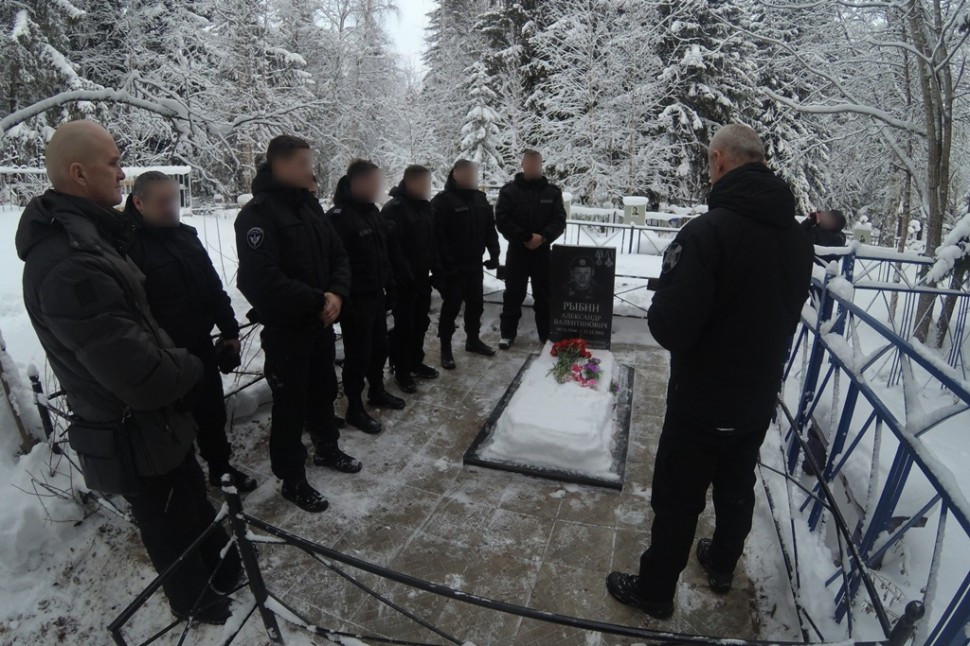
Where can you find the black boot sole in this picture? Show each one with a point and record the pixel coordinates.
(408, 389)
(481, 353)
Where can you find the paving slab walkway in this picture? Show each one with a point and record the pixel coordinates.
(417, 509)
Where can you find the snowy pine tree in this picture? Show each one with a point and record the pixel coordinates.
(453, 45)
(706, 83)
(480, 133)
(514, 70)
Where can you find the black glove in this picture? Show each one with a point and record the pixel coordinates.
(500, 273)
(252, 316)
(491, 263)
(390, 299)
(227, 357)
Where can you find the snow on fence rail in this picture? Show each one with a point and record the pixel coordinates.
(876, 476)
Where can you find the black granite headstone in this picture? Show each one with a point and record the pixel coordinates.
(582, 294)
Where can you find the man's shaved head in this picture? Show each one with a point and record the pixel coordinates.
(82, 159)
(732, 146)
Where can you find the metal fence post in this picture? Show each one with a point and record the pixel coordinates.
(42, 410)
(250, 562)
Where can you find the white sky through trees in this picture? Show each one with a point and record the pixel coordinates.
(408, 28)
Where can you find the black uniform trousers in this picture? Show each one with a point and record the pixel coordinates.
(462, 286)
(691, 457)
(171, 511)
(363, 324)
(522, 267)
(209, 411)
(300, 372)
(411, 323)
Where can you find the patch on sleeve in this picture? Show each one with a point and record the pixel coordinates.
(672, 257)
(85, 293)
(255, 237)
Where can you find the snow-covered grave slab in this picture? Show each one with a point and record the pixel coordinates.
(564, 432)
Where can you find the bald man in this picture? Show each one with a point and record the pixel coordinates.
(730, 295)
(125, 383)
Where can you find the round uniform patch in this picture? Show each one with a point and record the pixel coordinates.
(672, 257)
(255, 237)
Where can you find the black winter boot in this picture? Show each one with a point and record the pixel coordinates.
(477, 346)
(625, 588)
(331, 456)
(383, 399)
(300, 493)
(447, 356)
(359, 419)
(405, 381)
(213, 610)
(424, 371)
(720, 582)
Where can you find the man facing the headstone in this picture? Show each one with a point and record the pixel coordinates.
(531, 215)
(729, 299)
(128, 387)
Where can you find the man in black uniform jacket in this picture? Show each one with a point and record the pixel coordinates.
(124, 380)
(464, 229)
(295, 272)
(531, 215)
(187, 299)
(733, 285)
(412, 233)
(364, 324)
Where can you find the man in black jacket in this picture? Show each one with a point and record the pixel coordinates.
(531, 215)
(730, 295)
(364, 325)
(464, 229)
(295, 272)
(827, 229)
(187, 299)
(123, 378)
(412, 233)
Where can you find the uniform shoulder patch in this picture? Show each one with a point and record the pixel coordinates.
(255, 237)
(672, 257)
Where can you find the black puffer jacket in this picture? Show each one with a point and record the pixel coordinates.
(526, 207)
(365, 236)
(184, 290)
(289, 255)
(412, 233)
(86, 302)
(729, 298)
(464, 228)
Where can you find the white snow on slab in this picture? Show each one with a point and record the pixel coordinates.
(560, 426)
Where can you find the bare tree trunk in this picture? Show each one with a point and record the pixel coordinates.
(949, 304)
(936, 86)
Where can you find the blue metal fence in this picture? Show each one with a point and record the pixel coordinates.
(872, 419)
